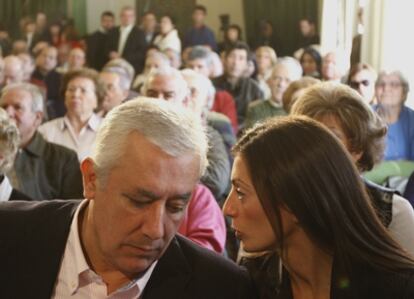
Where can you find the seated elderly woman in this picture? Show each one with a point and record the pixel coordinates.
(9, 144)
(296, 192)
(362, 132)
(286, 70)
(391, 90)
(77, 129)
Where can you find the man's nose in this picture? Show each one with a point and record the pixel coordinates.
(153, 227)
(10, 111)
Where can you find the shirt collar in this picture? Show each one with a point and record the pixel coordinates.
(5, 189)
(81, 267)
(126, 28)
(36, 145)
(93, 122)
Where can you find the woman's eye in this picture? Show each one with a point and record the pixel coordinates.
(240, 194)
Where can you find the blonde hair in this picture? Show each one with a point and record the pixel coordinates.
(363, 128)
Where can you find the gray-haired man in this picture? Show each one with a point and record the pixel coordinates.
(121, 240)
(42, 170)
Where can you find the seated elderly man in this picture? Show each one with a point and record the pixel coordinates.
(285, 71)
(13, 70)
(117, 83)
(121, 240)
(42, 170)
(9, 144)
(334, 66)
(168, 84)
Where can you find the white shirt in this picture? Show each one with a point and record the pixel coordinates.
(169, 41)
(123, 36)
(402, 224)
(60, 131)
(76, 280)
(5, 189)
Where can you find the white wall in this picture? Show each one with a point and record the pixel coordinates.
(96, 7)
(387, 41)
(217, 7)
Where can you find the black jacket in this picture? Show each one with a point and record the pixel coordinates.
(134, 50)
(31, 253)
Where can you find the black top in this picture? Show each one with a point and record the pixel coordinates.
(46, 170)
(95, 54)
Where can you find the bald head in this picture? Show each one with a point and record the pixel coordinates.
(13, 70)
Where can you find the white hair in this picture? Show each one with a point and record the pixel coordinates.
(9, 142)
(124, 78)
(293, 66)
(33, 90)
(122, 63)
(173, 128)
(168, 71)
(204, 85)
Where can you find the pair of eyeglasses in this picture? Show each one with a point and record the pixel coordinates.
(392, 84)
(356, 84)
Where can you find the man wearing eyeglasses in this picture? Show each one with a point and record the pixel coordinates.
(362, 78)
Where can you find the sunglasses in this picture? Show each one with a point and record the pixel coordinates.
(356, 84)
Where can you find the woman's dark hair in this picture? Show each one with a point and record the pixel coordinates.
(172, 19)
(315, 56)
(235, 27)
(296, 163)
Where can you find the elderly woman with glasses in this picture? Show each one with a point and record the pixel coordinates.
(391, 90)
(82, 91)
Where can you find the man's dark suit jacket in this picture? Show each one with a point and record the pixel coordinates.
(32, 242)
(46, 170)
(95, 56)
(135, 47)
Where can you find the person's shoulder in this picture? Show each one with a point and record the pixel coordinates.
(17, 214)
(258, 104)
(50, 127)
(57, 151)
(209, 263)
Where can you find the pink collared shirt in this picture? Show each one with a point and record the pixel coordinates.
(76, 280)
(60, 131)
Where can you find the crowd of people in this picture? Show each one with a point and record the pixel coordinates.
(118, 147)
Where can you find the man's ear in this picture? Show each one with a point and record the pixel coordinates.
(39, 118)
(88, 178)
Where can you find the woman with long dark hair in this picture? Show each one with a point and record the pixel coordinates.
(296, 192)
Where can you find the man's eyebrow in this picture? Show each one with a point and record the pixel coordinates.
(153, 197)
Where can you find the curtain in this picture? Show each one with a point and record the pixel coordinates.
(77, 11)
(284, 15)
(180, 10)
(11, 11)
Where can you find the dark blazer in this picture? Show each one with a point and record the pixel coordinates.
(95, 57)
(135, 47)
(17, 195)
(31, 253)
(46, 170)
